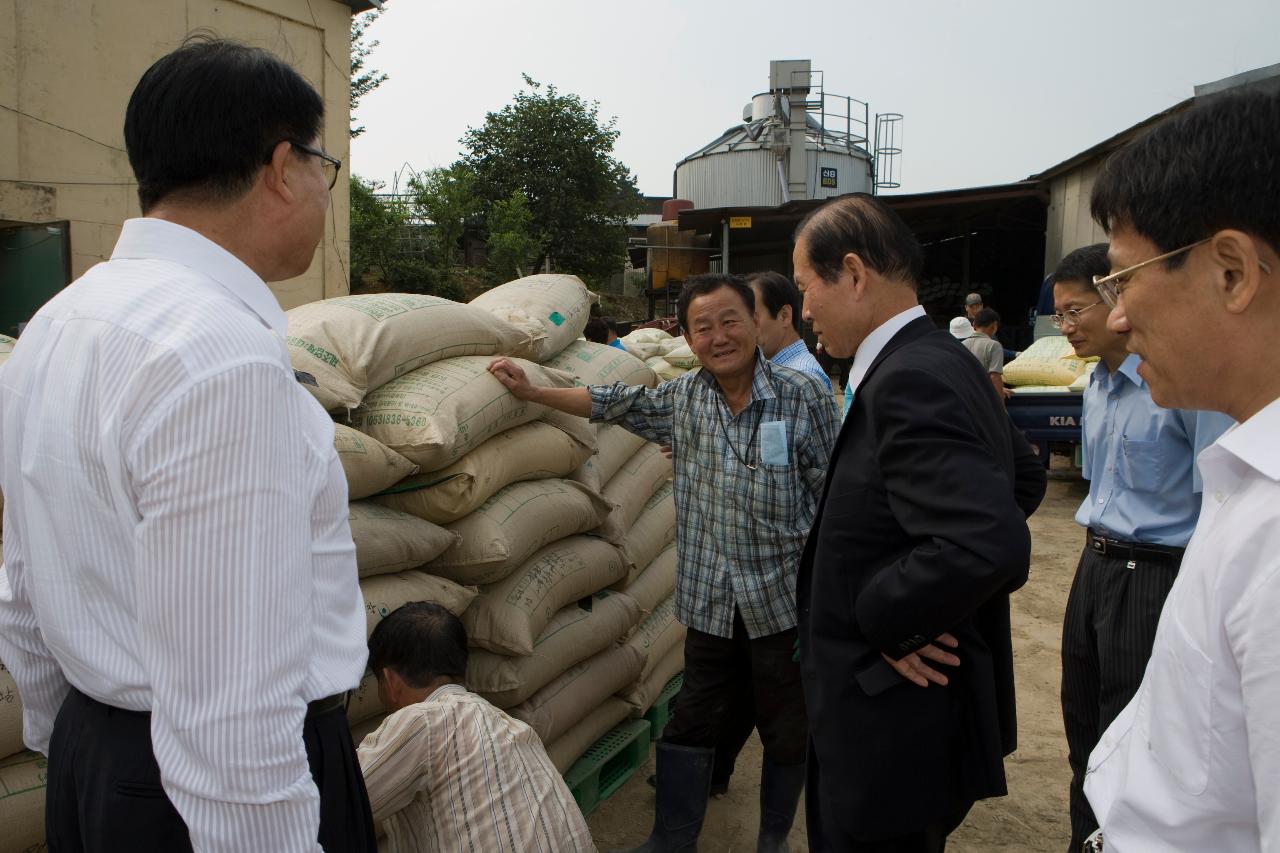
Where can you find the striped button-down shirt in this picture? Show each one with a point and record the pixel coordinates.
(176, 536)
(742, 514)
(455, 773)
(796, 356)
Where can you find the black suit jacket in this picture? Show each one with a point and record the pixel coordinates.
(921, 529)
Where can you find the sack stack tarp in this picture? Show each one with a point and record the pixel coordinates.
(550, 309)
(354, 344)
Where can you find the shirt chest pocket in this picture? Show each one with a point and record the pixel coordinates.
(771, 491)
(1144, 464)
(1179, 729)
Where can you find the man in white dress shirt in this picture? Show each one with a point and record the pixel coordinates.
(178, 603)
(1193, 761)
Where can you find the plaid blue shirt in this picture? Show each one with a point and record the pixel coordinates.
(739, 531)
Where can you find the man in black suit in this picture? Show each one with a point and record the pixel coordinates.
(903, 590)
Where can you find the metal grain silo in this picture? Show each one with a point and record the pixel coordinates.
(795, 141)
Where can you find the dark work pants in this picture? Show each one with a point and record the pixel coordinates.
(1107, 634)
(104, 791)
(717, 668)
(735, 730)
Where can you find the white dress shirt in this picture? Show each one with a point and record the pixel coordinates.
(873, 344)
(176, 535)
(1193, 761)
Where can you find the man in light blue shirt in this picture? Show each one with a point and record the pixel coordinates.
(1143, 503)
(778, 304)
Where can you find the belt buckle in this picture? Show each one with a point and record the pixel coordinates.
(1098, 544)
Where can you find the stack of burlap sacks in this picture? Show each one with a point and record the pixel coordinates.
(550, 537)
(669, 357)
(22, 773)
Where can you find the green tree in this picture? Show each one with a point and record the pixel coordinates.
(362, 81)
(382, 240)
(447, 198)
(512, 242)
(555, 149)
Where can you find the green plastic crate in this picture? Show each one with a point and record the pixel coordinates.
(608, 764)
(660, 714)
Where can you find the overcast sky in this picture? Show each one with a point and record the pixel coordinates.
(992, 90)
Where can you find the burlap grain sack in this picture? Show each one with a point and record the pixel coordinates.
(657, 634)
(654, 530)
(631, 488)
(364, 702)
(499, 536)
(1051, 360)
(388, 540)
(645, 336)
(641, 696)
(571, 695)
(655, 582)
(22, 793)
(665, 370)
(370, 465)
(554, 446)
(509, 616)
(644, 351)
(600, 364)
(565, 750)
(10, 714)
(574, 634)
(353, 344)
(437, 414)
(384, 593)
(550, 309)
(614, 446)
(681, 356)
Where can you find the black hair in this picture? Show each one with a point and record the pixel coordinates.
(1215, 166)
(421, 641)
(985, 317)
(597, 331)
(867, 227)
(701, 285)
(205, 118)
(1083, 264)
(777, 292)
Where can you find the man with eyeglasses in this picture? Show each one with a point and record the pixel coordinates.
(1193, 761)
(1143, 501)
(178, 601)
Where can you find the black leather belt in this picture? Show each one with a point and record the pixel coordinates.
(327, 704)
(1100, 544)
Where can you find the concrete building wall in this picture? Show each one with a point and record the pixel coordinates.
(67, 70)
(1070, 225)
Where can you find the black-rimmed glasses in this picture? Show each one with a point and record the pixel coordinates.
(328, 160)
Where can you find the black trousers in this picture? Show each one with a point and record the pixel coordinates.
(104, 791)
(1107, 634)
(717, 669)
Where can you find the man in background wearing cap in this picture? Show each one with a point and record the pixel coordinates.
(972, 305)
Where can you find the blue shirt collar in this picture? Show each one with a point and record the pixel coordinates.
(1128, 369)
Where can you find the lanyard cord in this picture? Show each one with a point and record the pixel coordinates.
(750, 441)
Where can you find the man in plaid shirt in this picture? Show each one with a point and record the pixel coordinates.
(751, 442)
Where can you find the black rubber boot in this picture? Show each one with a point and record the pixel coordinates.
(780, 789)
(684, 774)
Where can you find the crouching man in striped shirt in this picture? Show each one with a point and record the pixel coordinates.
(446, 770)
(751, 441)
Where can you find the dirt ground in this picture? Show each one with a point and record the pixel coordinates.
(1034, 815)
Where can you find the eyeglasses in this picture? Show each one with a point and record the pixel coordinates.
(1111, 287)
(1070, 317)
(328, 161)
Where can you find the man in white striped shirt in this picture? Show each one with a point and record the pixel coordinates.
(178, 602)
(446, 770)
